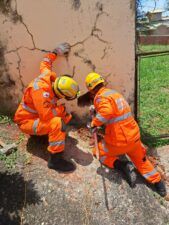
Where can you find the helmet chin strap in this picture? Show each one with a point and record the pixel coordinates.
(57, 96)
(68, 98)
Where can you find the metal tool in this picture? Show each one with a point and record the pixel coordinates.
(92, 111)
(92, 114)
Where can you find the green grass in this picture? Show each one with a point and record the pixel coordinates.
(154, 93)
(149, 48)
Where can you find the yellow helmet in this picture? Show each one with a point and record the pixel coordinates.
(93, 79)
(66, 87)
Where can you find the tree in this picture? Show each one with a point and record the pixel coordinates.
(167, 5)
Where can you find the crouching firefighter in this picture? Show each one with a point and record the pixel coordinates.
(122, 135)
(39, 114)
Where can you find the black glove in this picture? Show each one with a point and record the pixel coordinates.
(91, 129)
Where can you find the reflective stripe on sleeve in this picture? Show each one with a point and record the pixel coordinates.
(27, 108)
(107, 93)
(102, 158)
(119, 118)
(35, 84)
(54, 112)
(147, 175)
(53, 101)
(104, 146)
(101, 118)
(47, 60)
(119, 103)
(57, 143)
(35, 125)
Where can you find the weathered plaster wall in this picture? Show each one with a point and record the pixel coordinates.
(101, 34)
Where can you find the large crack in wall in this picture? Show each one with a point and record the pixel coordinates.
(5, 80)
(95, 32)
(4, 75)
(76, 4)
(81, 57)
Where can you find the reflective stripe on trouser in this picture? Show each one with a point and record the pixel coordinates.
(137, 154)
(52, 128)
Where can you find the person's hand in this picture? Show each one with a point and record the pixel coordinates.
(62, 109)
(67, 118)
(92, 110)
(62, 49)
(91, 128)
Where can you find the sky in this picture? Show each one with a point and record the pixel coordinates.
(149, 5)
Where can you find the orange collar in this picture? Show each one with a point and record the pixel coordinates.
(100, 90)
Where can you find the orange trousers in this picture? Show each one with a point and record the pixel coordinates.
(54, 128)
(108, 154)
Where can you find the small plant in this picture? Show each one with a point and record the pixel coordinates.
(20, 138)
(10, 160)
(5, 119)
(15, 158)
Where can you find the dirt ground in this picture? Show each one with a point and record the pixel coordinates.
(31, 194)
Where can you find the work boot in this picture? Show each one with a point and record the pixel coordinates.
(127, 169)
(58, 163)
(160, 188)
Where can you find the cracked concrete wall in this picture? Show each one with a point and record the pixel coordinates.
(101, 34)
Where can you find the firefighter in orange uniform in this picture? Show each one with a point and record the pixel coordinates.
(122, 135)
(39, 113)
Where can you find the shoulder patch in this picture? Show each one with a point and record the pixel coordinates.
(46, 94)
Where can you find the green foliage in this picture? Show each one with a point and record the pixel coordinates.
(15, 158)
(5, 119)
(10, 160)
(20, 138)
(149, 48)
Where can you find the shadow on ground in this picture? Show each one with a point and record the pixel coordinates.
(37, 145)
(116, 176)
(13, 199)
(152, 142)
(73, 152)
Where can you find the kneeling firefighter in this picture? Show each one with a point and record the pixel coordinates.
(122, 135)
(39, 114)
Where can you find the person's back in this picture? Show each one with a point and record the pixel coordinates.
(39, 88)
(115, 112)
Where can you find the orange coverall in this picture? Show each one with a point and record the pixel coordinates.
(122, 135)
(38, 113)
